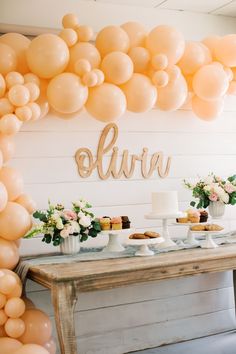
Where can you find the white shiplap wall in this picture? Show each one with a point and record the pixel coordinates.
(135, 317)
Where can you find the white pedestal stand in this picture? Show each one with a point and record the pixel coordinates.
(209, 242)
(165, 231)
(190, 235)
(143, 244)
(114, 244)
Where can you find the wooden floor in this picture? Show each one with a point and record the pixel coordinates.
(224, 343)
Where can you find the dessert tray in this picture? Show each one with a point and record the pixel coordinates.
(143, 245)
(209, 242)
(114, 244)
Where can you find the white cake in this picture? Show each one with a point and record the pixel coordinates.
(165, 203)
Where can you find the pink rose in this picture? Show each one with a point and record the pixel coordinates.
(213, 197)
(70, 215)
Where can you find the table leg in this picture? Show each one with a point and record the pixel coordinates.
(64, 299)
(234, 285)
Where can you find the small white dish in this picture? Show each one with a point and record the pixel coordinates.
(143, 245)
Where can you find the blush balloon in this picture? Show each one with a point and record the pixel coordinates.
(112, 39)
(85, 33)
(14, 327)
(5, 106)
(86, 51)
(23, 113)
(192, 59)
(29, 77)
(207, 110)
(27, 202)
(14, 78)
(9, 254)
(13, 181)
(82, 66)
(15, 307)
(8, 59)
(7, 284)
(9, 345)
(10, 124)
(33, 90)
(140, 57)
(19, 95)
(69, 21)
(69, 36)
(225, 50)
(117, 68)
(136, 33)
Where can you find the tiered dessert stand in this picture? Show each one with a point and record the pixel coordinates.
(168, 242)
(114, 244)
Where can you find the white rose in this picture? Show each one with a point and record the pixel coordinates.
(81, 204)
(224, 198)
(85, 221)
(59, 224)
(81, 214)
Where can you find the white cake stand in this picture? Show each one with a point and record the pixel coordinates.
(209, 242)
(168, 242)
(143, 245)
(190, 235)
(114, 244)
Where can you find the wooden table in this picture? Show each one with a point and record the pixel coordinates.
(66, 281)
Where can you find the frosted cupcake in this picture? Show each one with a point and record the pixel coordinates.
(105, 223)
(193, 216)
(116, 223)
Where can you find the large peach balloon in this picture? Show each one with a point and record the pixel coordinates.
(140, 57)
(66, 93)
(136, 33)
(207, 110)
(14, 327)
(47, 55)
(225, 50)
(14, 222)
(166, 40)
(106, 102)
(8, 59)
(9, 254)
(31, 349)
(3, 196)
(27, 202)
(2, 86)
(172, 96)
(210, 82)
(211, 43)
(13, 181)
(15, 307)
(7, 146)
(111, 39)
(36, 322)
(140, 93)
(84, 51)
(117, 67)
(5, 106)
(51, 346)
(9, 345)
(10, 124)
(19, 44)
(192, 59)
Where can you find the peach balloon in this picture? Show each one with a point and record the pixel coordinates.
(90, 79)
(100, 76)
(192, 59)
(159, 61)
(7, 146)
(207, 110)
(8, 59)
(9, 254)
(106, 102)
(19, 95)
(47, 55)
(27, 202)
(23, 113)
(84, 51)
(3, 197)
(160, 78)
(117, 68)
(140, 57)
(7, 284)
(211, 43)
(14, 78)
(36, 322)
(17, 292)
(10, 124)
(207, 53)
(225, 50)
(2, 86)
(3, 317)
(69, 36)
(51, 346)
(35, 109)
(232, 88)
(66, 94)
(172, 96)
(15, 307)
(19, 44)
(3, 300)
(31, 349)
(15, 221)
(82, 66)
(9, 345)
(85, 33)
(14, 327)
(166, 40)
(111, 39)
(5, 271)
(70, 21)
(136, 32)
(210, 82)
(34, 91)
(32, 78)
(140, 93)
(5, 106)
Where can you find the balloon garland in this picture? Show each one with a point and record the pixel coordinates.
(126, 68)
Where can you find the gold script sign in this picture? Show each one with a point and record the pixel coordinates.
(86, 163)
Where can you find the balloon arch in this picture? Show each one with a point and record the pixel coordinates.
(126, 68)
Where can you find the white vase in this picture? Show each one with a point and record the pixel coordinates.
(70, 245)
(216, 209)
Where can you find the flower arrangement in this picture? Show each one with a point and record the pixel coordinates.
(213, 189)
(57, 223)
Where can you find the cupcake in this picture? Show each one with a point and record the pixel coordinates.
(203, 216)
(105, 223)
(183, 220)
(125, 222)
(116, 223)
(193, 216)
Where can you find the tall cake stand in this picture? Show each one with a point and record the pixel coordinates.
(114, 244)
(168, 242)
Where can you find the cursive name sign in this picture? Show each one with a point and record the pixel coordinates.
(119, 167)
